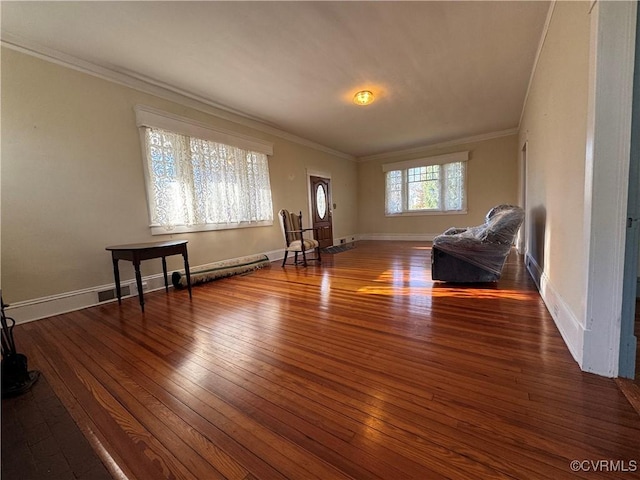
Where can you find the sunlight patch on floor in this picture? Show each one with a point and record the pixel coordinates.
(435, 291)
(417, 281)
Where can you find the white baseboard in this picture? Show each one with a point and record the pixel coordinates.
(571, 330)
(409, 237)
(346, 239)
(35, 309)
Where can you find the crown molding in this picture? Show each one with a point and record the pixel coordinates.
(169, 92)
(543, 38)
(425, 149)
(158, 89)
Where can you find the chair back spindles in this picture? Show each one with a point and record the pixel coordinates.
(292, 231)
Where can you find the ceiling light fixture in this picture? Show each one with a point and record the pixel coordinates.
(364, 97)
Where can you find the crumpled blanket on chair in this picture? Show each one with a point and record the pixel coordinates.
(479, 253)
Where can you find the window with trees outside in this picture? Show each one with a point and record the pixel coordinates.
(428, 185)
(202, 179)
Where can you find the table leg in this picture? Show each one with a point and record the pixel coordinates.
(136, 264)
(186, 270)
(164, 270)
(116, 275)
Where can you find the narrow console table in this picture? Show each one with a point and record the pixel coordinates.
(144, 251)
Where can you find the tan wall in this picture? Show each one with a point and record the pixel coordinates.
(554, 125)
(492, 176)
(72, 182)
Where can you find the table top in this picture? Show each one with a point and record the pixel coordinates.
(147, 246)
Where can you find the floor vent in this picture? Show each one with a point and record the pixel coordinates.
(106, 295)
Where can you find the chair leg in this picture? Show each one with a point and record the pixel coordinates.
(295, 258)
(318, 254)
(304, 257)
(286, 252)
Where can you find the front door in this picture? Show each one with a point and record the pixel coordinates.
(321, 210)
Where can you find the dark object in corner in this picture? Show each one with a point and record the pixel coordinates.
(16, 377)
(476, 254)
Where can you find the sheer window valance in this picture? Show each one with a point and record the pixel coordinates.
(152, 117)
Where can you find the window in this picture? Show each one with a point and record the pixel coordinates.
(196, 183)
(435, 184)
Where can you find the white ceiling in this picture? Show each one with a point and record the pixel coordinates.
(440, 71)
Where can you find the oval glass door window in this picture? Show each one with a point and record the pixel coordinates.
(321, 201)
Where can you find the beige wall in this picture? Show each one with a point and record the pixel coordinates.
(554, 124)
(72, 182)
(492, 176)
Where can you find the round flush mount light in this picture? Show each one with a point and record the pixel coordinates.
(364, 97)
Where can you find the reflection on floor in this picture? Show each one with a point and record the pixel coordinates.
(40, 440)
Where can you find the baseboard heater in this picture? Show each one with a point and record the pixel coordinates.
(222, 269)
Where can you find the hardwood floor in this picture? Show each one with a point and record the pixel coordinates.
(359, 368)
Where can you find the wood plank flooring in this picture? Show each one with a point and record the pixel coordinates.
(361, 368)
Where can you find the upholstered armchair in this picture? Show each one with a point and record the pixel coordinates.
(295, 241)
(476, 254)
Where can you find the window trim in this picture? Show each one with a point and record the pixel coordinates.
(154, 118)
(457, 157)
(160, 230)
(427, 161)
(149, 117)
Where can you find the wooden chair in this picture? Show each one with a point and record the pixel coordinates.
(294, 238)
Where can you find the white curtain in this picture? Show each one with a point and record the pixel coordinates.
(199, 182)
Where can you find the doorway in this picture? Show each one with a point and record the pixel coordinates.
(321, 210)
(522, 233)
(629, 325)
(637, 330)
